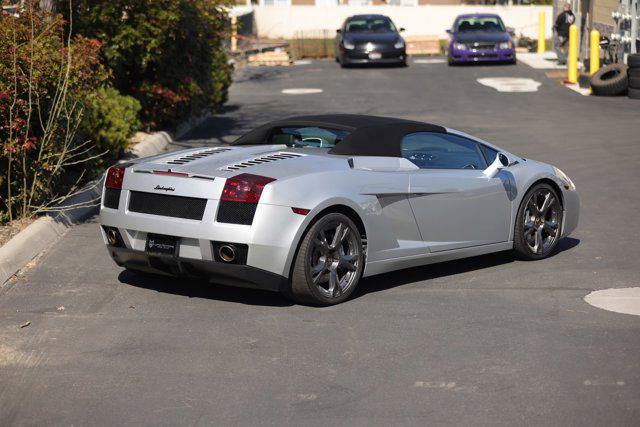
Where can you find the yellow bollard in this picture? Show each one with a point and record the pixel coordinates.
(594, 63)
(572, 62)
(234, 33)
(541, 33)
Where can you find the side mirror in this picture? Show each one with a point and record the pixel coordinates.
(401, 29)
(511, 31)
(449, 31)
(501, 162)
(338, 31)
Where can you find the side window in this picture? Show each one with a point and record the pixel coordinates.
(489, 153)
(430, 150)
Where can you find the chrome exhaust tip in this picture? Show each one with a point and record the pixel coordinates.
(227, 253)
(112, 237)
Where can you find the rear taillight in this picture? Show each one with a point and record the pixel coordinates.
(246, 188)
(115, 176)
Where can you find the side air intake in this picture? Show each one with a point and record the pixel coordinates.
(260, 160)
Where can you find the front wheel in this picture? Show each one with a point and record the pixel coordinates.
(537, 229)
(329, 262)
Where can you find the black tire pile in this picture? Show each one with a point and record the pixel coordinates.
(634, 75)
(610, 80)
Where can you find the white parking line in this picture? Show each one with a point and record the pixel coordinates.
(621, 300)
(301, 91)
(302, 62)
(429, 61)
(510, 84)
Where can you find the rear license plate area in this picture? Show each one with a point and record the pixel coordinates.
(161, 244)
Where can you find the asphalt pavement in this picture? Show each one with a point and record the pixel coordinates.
(482, 341)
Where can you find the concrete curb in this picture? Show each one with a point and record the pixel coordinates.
(46, 230)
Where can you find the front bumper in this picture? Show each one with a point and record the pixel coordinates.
(243, 276)
(482, 55)
(392, 56)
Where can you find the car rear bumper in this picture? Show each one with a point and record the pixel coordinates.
(496, 55)
(270, 239)
(212, 271)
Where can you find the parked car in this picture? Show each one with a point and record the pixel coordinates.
(310, 205)
(367, 39)
(480, 37)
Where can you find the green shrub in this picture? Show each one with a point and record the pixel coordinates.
(110, 121)
(169, 54)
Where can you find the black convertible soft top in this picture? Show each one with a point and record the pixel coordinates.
(369, 135)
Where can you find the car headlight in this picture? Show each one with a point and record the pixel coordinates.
(348, 45)
(399, 44)
(460, 46)
(505, 45)
(568, 184)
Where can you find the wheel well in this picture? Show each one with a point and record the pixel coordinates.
(553, 184)
(349, 213)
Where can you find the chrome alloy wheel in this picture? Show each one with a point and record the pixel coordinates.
(541, 221)
(334, 259)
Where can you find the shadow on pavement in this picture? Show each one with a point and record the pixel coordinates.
(393, 279)
(193, 288)
(200, 289)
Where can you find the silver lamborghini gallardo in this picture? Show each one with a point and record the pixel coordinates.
(309, 205)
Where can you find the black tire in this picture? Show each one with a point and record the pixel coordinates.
(634, 93)
(634, 72)
(610, 80)
(553, 215)
(633, 60)
(634, 82)
(303, 290)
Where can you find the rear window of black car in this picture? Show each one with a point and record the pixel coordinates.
(307, 136)
(373, 25)
(485, 23)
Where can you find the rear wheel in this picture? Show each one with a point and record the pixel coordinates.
(537, 229)
(329, 262)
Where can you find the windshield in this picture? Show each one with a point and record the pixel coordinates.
(485, 23)
(308, 137)
(371, 25)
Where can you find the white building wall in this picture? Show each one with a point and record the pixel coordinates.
(428, 20)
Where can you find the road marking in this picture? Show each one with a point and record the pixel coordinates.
(302, 62)
(450, 385)
(621, 300)
(301, 91)
(429, 61)
(618, 383)
(510, 84)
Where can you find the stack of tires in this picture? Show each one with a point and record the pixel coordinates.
(634, 75)
(610, 80)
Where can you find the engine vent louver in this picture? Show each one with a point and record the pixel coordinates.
(196, 156)
(260, 160)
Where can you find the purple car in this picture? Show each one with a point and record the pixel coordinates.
(480, 37)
